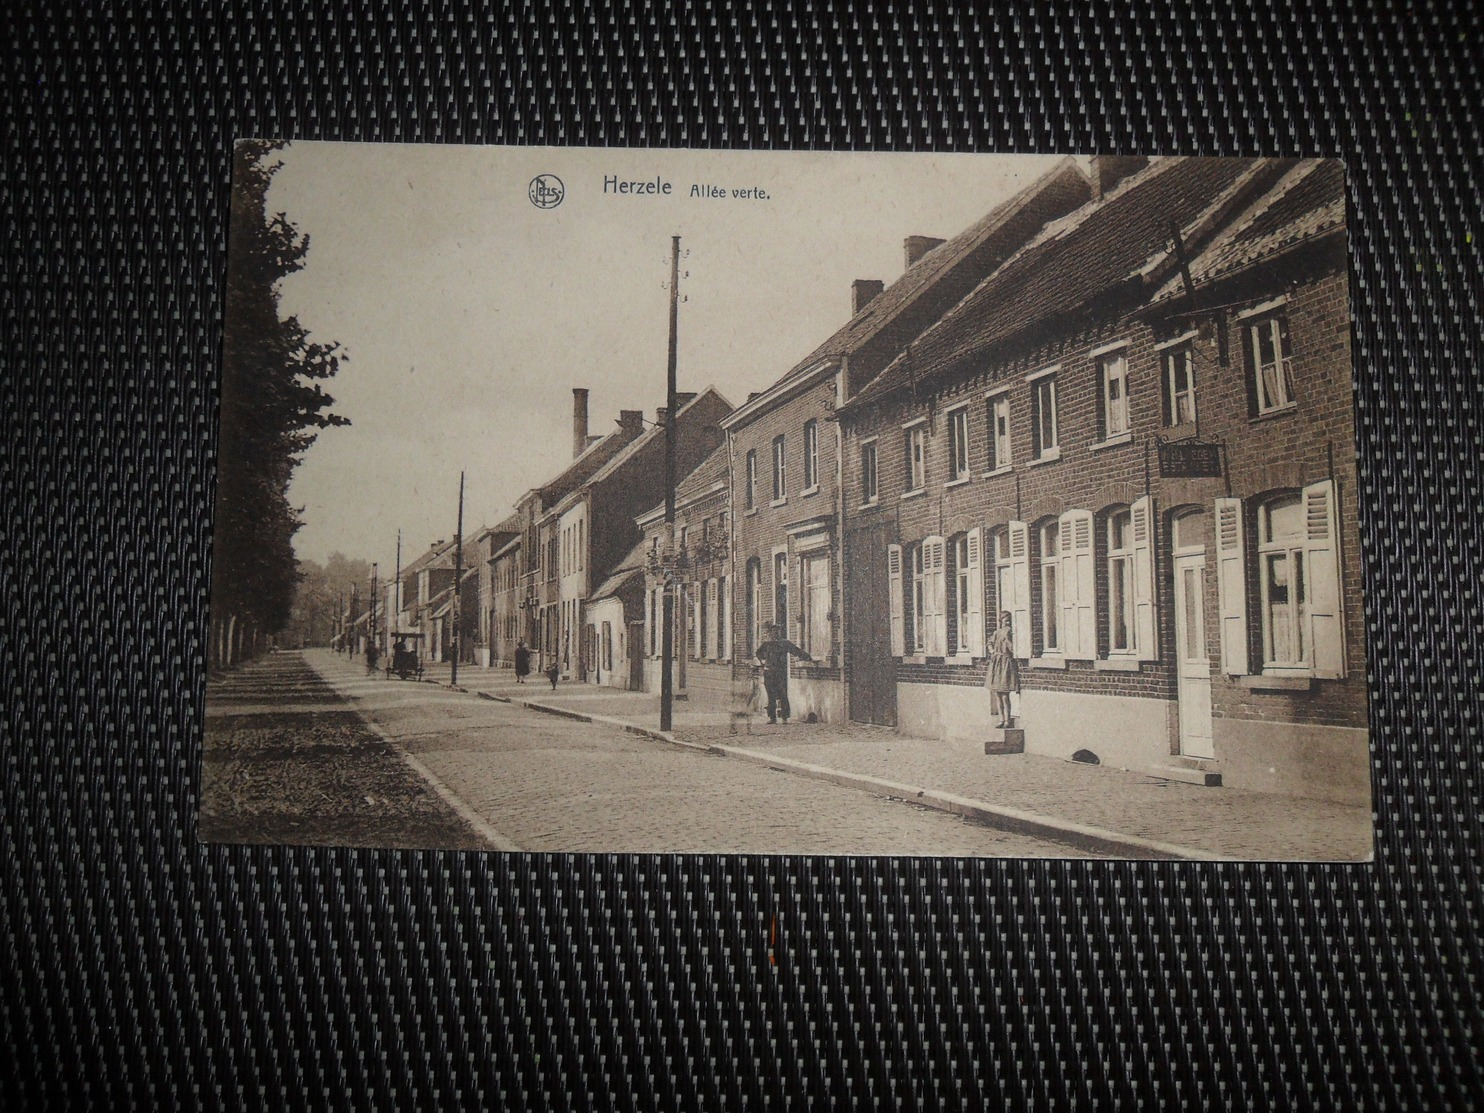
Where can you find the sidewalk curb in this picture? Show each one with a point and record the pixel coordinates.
(1093, 840)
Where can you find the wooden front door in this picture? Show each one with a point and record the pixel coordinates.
(872, 687)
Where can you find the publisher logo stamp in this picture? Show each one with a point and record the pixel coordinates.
(547, 191)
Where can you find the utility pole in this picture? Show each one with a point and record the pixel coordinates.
(373, 604)
(667, 656)
(458, 574)
(396, 617)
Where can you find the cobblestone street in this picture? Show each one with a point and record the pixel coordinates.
(550, 783)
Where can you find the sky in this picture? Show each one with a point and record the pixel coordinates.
(467, 314)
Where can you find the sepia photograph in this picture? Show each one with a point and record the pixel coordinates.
(662, 500)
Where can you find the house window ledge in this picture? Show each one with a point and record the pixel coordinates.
(1276, 682)
(1048, 662)
(1275, 412)
(779, 503)
(1047, 457)
(1116, 663)
(1000, 472)
(963, 659)
(957, 481)
(869, 504)
(750, 512)
(810, 491)
(1121, 439)
(913, 492)
(915, 659)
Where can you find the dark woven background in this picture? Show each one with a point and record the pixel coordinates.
(139, 968)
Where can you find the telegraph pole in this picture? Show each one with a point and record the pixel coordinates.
(397, 614)
(667, 657)
(373, 604)
(458, 574)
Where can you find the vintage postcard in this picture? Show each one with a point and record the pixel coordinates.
(698, 501)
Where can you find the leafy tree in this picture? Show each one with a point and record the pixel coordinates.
(272, 404)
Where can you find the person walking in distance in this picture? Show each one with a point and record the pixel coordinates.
(1003, 675)
(522, 661)
(773, 654)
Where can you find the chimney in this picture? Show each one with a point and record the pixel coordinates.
(631, 421)
(915, 248)
(683, 398)
(1107, 171)
(579, 421)
(863, 291)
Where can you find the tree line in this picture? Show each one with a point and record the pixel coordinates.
(272, 405)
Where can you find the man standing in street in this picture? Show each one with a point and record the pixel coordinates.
(773, 654)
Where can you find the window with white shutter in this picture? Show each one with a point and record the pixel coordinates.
(1078, 586)
(1322, 558)
(971, 633)
(1020, 582)
(1231, 585)
(894, 597)
(935, 596)
(1146, 626)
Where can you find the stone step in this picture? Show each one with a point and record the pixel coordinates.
(1000, 742)
(1189, 772)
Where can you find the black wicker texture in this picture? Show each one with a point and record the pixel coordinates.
(143, 969)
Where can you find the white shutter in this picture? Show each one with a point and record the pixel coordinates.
(1077, 586)
(974, 544)
(935, 597)
(894, 595)
(1142, 514)
(1020, 583)
(1322, 574)
(1231, 585)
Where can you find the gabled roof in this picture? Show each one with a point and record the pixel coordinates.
(975, 249)
(1122, 238)
(436, 557)
(712, 471)
(581, 469)
(629, 567)
(1306, 203)
(653, 434)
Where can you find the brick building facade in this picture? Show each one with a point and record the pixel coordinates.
(1025, 455)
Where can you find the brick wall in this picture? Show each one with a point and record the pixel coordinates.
(1312, 442)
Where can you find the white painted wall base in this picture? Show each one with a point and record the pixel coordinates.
(1123, 732)
(1319, 761)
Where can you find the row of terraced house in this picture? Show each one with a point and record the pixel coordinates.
(1118, 408)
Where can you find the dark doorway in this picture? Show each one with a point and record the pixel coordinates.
(872, 688)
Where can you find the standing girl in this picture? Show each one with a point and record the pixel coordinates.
(1004, 672)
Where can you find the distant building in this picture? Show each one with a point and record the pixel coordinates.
(703, 612)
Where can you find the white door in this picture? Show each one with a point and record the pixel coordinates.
(1193, 661)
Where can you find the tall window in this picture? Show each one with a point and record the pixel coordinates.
(751, 486)
(1280, 546)
(1043, 417)
(1114, 376)
(962, 596)
(1049, 537)
(919, 597)
(1121, 632)
(916, 457)
(1004, 591)
(815, 633)
(1179, 386)
(780, 476)
(868, 473)
(1272, 363)
(780, 591)
(999, 431)
(958, 444)
(811, 454)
